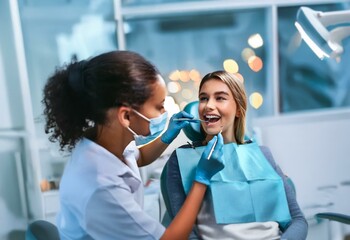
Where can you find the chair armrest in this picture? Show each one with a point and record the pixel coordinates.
(334, 217)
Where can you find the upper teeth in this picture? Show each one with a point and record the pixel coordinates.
(212, 116)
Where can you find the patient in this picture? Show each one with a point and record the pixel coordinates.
(251, 198)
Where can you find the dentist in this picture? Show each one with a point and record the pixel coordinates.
(95, 109)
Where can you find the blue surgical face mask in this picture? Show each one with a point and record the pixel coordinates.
(156, 127)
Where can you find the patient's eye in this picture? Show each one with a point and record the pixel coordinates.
(203, 98)
(220, 98)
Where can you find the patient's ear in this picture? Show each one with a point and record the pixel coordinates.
(238, 114)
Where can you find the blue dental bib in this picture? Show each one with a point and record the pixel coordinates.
(248, 189)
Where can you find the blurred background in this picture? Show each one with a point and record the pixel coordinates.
(299, 105)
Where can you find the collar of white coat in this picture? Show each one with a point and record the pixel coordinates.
(108, 164)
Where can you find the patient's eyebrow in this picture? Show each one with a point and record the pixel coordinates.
(221, 92)
(215, 93)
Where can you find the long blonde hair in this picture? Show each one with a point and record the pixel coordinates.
(238, 91)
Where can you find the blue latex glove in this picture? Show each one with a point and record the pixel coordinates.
(207, 168)
(175, 127)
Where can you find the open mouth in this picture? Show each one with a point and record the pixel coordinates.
(211, 118)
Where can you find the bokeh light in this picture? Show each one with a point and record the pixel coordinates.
(171, 106)
(255, 63)
(247, 53)
(256, 100)
(185, 76)
(195, 75)
(175, 75)
(230, 66)
(255, 40)
(239, 76)
(173, 87)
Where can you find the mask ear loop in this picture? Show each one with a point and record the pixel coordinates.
(141, 115)
(132, 131)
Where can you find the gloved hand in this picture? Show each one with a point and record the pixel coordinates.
(207, 168)
(175, 127)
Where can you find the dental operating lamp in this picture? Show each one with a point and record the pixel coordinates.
(323, 32)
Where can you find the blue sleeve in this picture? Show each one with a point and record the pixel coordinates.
(175, 190)
(297, 230)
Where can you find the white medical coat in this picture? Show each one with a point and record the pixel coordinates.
(102, 198)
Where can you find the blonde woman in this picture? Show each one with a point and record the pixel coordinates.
(250, 198)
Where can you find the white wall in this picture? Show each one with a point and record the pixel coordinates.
(313, 149)
(11, 211)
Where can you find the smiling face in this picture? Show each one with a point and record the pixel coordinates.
(218, 107)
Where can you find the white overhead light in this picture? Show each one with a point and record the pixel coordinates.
(312, 26)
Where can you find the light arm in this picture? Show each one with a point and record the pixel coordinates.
(334, 17)
(312, 26)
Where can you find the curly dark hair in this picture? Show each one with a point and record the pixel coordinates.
(80, 93)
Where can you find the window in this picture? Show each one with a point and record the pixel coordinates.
(184, 48)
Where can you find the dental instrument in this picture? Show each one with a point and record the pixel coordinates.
(190, 119)
(212, 148)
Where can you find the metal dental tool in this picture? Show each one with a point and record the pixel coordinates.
(212, 148)
(190, 119)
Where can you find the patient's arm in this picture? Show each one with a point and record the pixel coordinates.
(297, 230)
(175, 190)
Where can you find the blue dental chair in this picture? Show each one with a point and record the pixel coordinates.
(42, 230)
(193, 130)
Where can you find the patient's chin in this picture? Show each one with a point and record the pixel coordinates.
(212, 132)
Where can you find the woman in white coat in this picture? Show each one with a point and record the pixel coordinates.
(95, 108)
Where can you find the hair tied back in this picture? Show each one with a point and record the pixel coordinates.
(76, 76)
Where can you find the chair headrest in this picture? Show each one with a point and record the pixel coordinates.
(193, 130)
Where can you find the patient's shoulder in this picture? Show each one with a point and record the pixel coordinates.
(268, 155)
